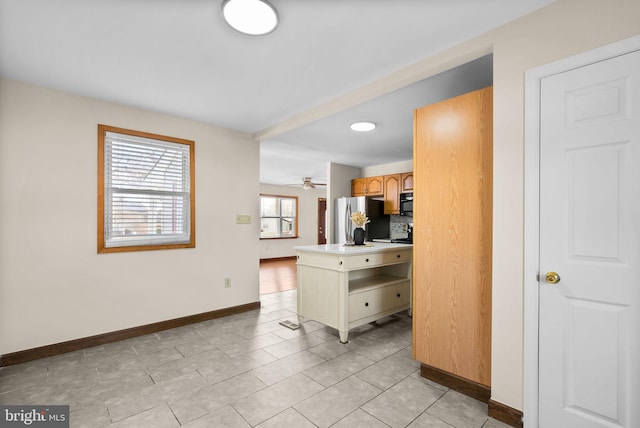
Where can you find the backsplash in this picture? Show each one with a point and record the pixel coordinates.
(397, 227)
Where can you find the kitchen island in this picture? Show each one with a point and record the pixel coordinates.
(348, 286)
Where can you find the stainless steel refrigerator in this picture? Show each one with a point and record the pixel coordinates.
(379, 224)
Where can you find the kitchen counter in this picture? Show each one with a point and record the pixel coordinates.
(348, 286)
(369, 247)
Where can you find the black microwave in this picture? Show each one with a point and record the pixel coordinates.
(406, 204)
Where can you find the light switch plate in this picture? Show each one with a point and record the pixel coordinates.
(243, 219)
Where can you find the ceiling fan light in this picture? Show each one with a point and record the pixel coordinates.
(363, 126)
(252, 17)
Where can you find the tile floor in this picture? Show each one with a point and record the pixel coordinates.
(246, 370)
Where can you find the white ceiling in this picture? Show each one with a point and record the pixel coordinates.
(178, 57)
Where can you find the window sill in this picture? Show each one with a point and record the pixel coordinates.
(280, 237)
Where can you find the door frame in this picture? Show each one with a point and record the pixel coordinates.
(324, 216)
(532, 82)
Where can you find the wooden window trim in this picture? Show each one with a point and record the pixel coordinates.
(102, 130)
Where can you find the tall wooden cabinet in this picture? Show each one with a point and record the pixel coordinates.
(452, 237)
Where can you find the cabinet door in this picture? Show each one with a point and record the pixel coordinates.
(375, 186)
(359, 187)
(392, 194)
(407, 181)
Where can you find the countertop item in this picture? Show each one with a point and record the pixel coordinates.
(394, 240)
(402, 241)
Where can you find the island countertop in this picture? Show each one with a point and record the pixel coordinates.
(370, 247)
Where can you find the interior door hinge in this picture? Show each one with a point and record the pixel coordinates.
(538, 276)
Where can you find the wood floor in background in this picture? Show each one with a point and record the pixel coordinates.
(277, 275)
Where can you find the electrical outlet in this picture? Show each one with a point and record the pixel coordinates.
(227, 282)
(243, 219)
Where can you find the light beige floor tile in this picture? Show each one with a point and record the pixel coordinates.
(359, 419)
(225, 417)
(334, 403)
(338, 368)
(158, 417)
(425, 420)
(293, 346)
(401, 404)
(180, 367)
(258, 329)
(213, 397)
(288, 418)
(247, 345)
(386, 373)
(90, 417)
(492, 423)
(379, 349)
(460, 410)
(130, 404)
(19, 381)
(285, 367)
(235, 366)
(330, 349)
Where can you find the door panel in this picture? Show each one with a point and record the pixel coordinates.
(589, 342)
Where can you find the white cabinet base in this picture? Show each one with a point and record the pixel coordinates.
(346, 287)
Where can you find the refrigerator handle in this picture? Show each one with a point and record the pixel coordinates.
(347, 219)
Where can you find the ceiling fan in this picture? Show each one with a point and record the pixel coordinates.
(308, 184)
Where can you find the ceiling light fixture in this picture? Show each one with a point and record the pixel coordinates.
(363, 126)
(252, 17)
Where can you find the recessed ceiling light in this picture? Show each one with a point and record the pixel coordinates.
(363, 126)
(253, 17)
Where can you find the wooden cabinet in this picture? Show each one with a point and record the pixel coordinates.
(374, 186)
(346, 287)
(359, 187)
(367, 186)
(452, 237)
(406, 182)
(392, 186)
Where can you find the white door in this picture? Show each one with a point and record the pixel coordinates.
(589, 321)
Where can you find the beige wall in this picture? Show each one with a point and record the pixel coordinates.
(560, 30)
(388, 168)
(53, 285)
(557, 31)
(307, 220)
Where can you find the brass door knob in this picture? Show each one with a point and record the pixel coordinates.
(552, 277)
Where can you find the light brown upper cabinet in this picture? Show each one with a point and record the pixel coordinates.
(406, 181)
(452, 236)
(392, 194)
(367, 186)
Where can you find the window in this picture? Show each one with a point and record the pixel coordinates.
(145, 191)
(278, 216)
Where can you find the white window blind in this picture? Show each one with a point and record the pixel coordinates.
(146, 191)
